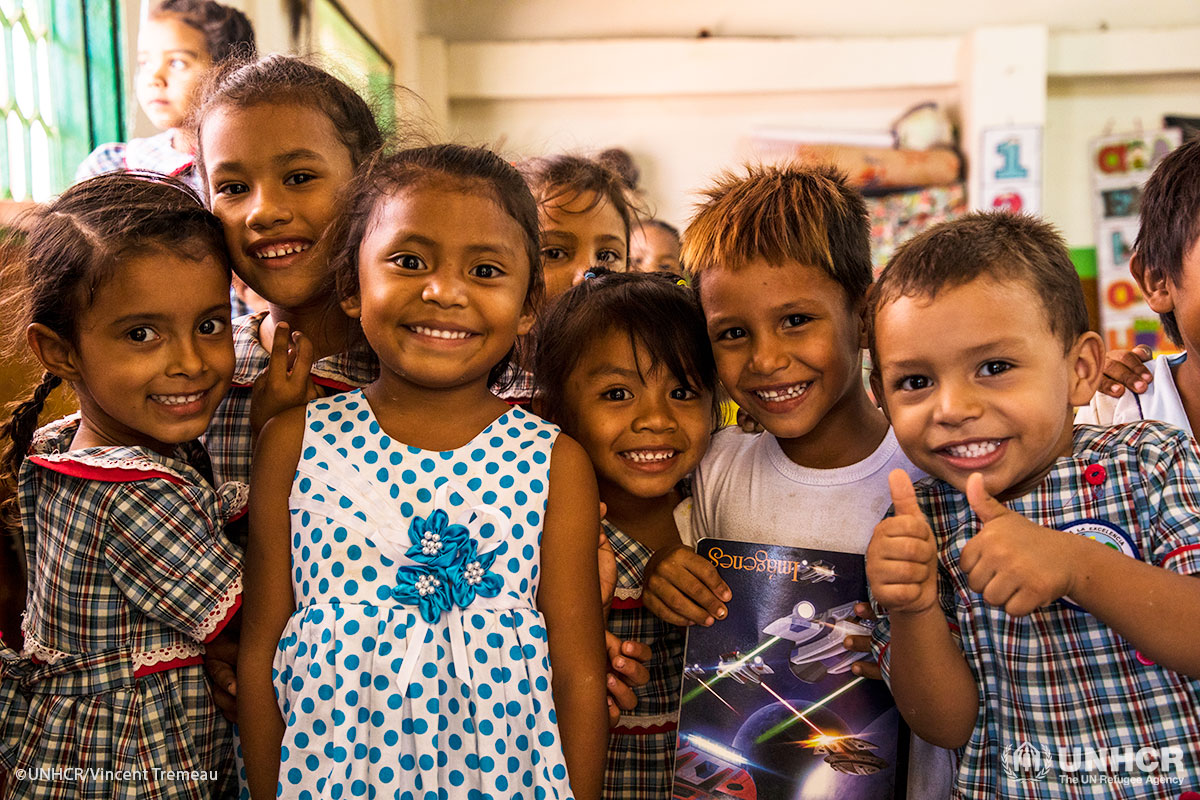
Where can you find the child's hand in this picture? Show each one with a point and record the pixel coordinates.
(627, 660)
(1126, 369)
(869, 667)
(1011, 561)
(681, 588)
(747, 423)
(220, 656)
(902, 555)
(287, 382)
(608, 570)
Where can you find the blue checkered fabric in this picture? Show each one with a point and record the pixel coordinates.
(128, 573)
(641, 749)
(228, 438)
(151, 154)
(1059, 678)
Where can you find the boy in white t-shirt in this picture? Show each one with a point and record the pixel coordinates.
(781, 260)
(1166, 266)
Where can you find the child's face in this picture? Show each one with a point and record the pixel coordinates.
(651, 249)
(576, 238)
(643, 433)
(155, 350)
(974, 380)
(172, 57)
(786, 342)
(273, 174)
(443, 277)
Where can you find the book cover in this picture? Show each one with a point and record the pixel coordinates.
(770, 706)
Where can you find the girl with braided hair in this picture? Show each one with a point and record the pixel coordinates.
(124, 285)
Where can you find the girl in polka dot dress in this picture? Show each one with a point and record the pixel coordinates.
(420, 552)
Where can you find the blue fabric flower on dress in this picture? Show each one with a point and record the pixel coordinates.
(428, 588)
(471, 575)
(434, 540)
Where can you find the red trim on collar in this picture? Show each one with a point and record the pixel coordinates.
(330, 383)
(93, 472)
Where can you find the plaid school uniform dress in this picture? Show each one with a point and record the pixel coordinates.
(228, 436)
(1060, 679)
(150, 154)
(641, 748)
(129, 575)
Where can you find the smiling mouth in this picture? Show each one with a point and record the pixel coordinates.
(439, 333)
(649, 456)
(782, 394)
(973, 449)
(178, 399)
(280, 250)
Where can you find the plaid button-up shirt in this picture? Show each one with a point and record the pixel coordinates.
(1059, 682)
(151, 154)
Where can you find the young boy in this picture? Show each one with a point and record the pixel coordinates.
(782, 261)
(1166, 266)
(1039, 587)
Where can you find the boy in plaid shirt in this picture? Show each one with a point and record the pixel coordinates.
(1027, 583)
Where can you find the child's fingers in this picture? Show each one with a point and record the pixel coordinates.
(867, 668)
(674, 605)
(301, 354)
(638, 651)
(706, 573)
(1123, 371)
(621, 693)
(280, 341)
(864, 611)
(904, 496)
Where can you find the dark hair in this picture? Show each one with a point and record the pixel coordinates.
(70, 248)
(474, 169)
(557, 181)
(227, 31)
(997, 245)
(656, 312)
(655, 222)
(1170, 210)
(279, 79)
(780, 214)
(620, 162)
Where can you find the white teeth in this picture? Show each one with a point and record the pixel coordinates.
(176, 399)
(779, 395)
(282, 250)
(648, 456)
(973, 450)
(440, 334)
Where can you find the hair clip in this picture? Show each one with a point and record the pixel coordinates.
(587, 276)
(681, 282)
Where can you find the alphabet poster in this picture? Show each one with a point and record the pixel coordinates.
(1120, 166)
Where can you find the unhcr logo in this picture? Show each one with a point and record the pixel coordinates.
(1026, 763)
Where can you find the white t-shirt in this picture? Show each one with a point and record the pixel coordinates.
(1160, 401)
(747, 490)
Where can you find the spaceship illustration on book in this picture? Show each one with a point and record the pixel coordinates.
(770, 705)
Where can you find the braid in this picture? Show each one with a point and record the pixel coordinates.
(17, 433)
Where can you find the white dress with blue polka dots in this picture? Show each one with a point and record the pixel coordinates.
(415, 665)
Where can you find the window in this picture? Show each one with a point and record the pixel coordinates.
(355, 58)
(60, 90)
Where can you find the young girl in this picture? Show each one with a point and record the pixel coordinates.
(437, 539)
(177, 43)
(624, 365)
(126, 299)
(584, 214)
(278, 139)
(585, 217)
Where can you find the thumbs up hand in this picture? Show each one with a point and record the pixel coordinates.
(1011, 561)
(902, 555)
